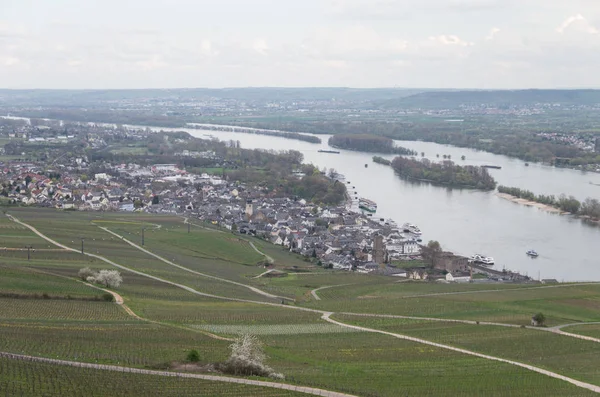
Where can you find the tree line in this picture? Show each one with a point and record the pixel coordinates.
(381, 160)
(507, 136)
(281, 134)
(590, 207)
(369, 143)
(445, 173)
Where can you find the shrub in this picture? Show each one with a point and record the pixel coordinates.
(108, 297)
(193, 356)
(538, 319)
(248, 358)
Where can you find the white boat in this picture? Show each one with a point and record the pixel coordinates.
(367, 205)
(532, 253)
(409, 227)
(487, 260)
(484, 260)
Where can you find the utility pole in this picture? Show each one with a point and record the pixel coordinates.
(29, 247)
(188, 223)
(82, 239)
(143, 236)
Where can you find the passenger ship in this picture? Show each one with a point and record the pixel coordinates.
(367, 205)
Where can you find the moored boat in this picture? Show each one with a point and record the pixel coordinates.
(484, 260)
(329, 151)
(367, 205)
(532, 253)
(410, 228)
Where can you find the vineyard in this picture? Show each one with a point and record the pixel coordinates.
(577, 358)
(134, 344)
(46, 311)
(30, 379)
(592, 330)
(567, 304)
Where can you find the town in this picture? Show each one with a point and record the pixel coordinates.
(337, 236)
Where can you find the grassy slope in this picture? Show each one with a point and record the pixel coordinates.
(18, 378)
(568, 356)
(592, 330)
(360, 363)
(512, 304)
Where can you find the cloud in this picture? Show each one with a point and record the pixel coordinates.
(577, 22)
(493, 33)
(401, 9)
(450, 40)
(260, 46)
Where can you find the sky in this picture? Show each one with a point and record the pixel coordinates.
(481, 44)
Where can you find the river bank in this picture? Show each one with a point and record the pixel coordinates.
(529, 203)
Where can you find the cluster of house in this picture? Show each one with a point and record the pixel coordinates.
(338, 237)
(586, 143)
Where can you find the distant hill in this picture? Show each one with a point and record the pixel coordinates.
(256, 95)
(498, 98)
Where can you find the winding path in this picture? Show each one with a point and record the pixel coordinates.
(494, 290)
(283, 386)
(594, 388)
(317, 297)
(168, 262)
(267, 257)
(324, 315)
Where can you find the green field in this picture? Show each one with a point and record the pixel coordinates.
(573, 357)
(47, 312)
(592, 330)
(27, 379)
(507, 303)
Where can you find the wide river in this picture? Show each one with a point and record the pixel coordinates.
(469, 221)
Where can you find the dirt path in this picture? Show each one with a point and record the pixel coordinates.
(551, 374)
(265, 273)
(496, 290)
(317, 297)
(168, 262)
(215, 378)
(326, 316)
(267, 257)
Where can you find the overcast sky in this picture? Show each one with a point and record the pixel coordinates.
(356, 43)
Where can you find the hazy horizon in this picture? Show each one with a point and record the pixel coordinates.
(415, 44)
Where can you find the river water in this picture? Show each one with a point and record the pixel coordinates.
(470, 221)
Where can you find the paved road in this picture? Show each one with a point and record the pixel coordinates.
(326, 316)
(301, 389)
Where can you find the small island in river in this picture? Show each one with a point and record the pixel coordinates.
(369, 143)
(445, 173)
